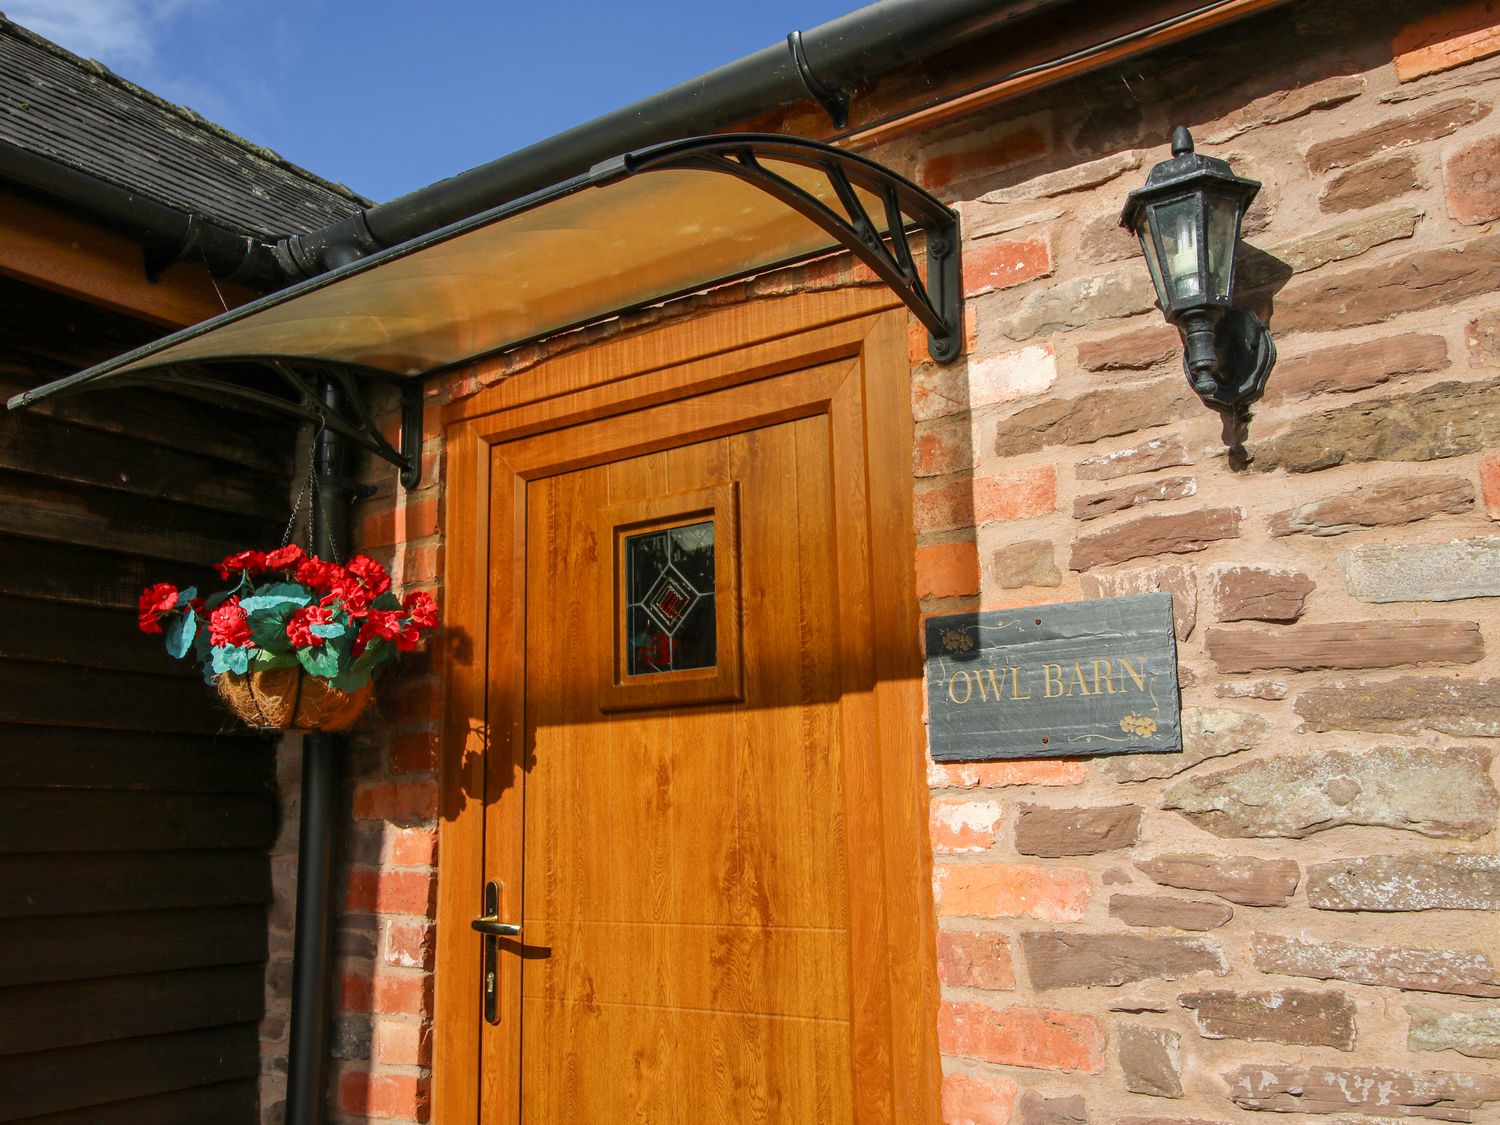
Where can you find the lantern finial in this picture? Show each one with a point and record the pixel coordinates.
(1182, 141)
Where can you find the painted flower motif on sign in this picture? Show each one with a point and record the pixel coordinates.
(956, 640)
(1142, 725)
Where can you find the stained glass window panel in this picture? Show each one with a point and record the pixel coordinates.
(669, 590)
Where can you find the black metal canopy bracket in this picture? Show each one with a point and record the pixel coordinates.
(350, 418)
(936, 301)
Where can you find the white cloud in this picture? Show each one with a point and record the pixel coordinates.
(122, 34)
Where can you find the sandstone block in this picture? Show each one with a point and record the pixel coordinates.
(1469, 177)
(1241, 879)
(1029, 1037)
(1369, 184)
(1442, 793)
(1133, 496)
(1069, 960)
(981, 220)
(1158, 453)
(1295, 1016)
(1395, 132)
(1135, 350)
(1357, 367)
(1082, 302)
(1090, 417)
(1387, 503)
(1054, 833)
(1168, 910)
(973, 502)
(1421, 279)
(1475, 1032)
(1287, 105)
(1179, 581)
(1454, 881)
(1077, 177)
(1150, 1059)
(1034, 1109)
(975, 959)
(1102, 240)
(1252, 593)
(1346, 644)
(1335, 244)
(1168, 1121)
(1251, 689)
(1457, 971)
(969, 1100)
(1446, 39)
(1468, 708)
(1384, 1091)
(1424, 572)
(1027, 563)
(1482, 338)
(1207, 732)
(997, 377)
(1179, 534)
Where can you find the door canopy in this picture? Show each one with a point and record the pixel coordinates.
(634, 231)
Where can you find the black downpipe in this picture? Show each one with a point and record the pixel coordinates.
(836, 55)
(317, 847)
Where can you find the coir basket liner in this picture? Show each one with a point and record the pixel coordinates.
(290, 699)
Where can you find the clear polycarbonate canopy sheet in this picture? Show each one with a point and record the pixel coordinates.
(587, 252)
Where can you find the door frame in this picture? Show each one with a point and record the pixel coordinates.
(485, 571)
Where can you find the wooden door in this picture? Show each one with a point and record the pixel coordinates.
(714, 847)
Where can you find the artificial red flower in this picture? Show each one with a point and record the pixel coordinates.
(251, 562)
(155, 601)
(318, 575)
(409, 638)
(348, 593)
(382, 623)
(371, 573)
(227, 625)
(421, 608)
(284, 558)
(299, 628)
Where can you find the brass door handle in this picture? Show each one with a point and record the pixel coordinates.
(491, 926)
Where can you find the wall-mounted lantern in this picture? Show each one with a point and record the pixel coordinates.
(1188, 220)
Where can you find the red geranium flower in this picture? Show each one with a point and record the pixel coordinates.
(371, 573)
(299, 628)
(155, 601)
(227, 625)
(251, 562)
(316, 574)
(284, 558)
(382, 623)
(421, 608)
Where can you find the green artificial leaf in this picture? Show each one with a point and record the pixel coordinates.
(332, 629)
(264, 661)
(321, 662)
(387, 600)
(231, 658)
(352, 678)
(263, 603)
(181, 629)
(185, 596)
(214, 601)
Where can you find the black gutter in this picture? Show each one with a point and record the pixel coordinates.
(817, 64)
(168, 234)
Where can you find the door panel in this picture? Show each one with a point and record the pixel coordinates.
(685, 868)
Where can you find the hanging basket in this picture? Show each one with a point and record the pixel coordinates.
(290, 699)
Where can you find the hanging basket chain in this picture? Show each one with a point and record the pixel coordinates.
(307, 483)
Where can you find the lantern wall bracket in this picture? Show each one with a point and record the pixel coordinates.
(936, 301)
(223, 378)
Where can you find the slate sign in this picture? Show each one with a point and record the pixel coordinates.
(1096, 677)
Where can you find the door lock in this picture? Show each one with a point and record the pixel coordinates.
(489, 925)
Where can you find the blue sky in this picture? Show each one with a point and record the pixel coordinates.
(386, 96)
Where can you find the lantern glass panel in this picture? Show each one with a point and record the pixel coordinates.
(1153, 261)
(1223, 232)
(1177, 229)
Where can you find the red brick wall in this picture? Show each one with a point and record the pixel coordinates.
(1298, 914)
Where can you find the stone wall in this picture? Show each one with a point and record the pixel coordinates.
(1295, 915)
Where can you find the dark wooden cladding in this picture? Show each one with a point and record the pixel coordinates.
(202, 1105)
(72, 1078)
(40, 1017)
(61, 948)
(135, 814)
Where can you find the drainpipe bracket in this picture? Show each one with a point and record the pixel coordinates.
(833, 99)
